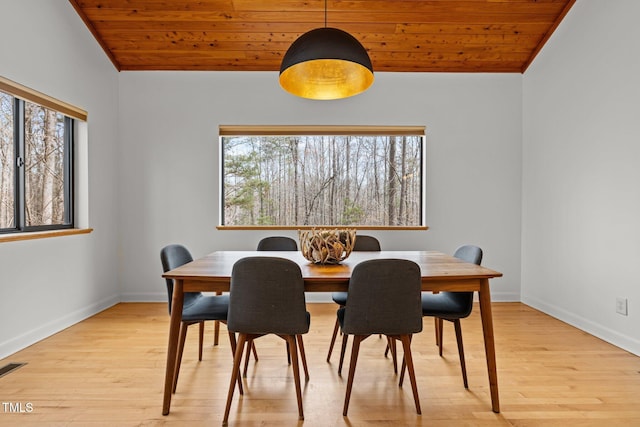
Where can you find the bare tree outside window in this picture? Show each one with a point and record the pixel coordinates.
(7, 159)
(35, 166)
(44, 166)
(324, 180)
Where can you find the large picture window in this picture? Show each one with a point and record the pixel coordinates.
(36, 165)
(297, 176)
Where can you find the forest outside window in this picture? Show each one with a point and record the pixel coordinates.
(314, 176)
(36, 164)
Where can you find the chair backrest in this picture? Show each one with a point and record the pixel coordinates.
(266, 296)
(173, 256)
(366, 243)
(469, 253)
(277, 243)
(384, 298)
(473, 255)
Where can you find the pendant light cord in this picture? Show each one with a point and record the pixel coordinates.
(325, 13)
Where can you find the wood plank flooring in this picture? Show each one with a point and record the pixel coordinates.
(109, 371)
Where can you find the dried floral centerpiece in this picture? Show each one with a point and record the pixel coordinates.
(323, 246)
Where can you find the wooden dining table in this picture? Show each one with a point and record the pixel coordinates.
(439, 271)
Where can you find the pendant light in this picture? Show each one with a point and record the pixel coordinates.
(326, 63)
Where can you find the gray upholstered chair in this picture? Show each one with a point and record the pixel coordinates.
(281, 243)
(363, 243)
(277, 243)
(453, 306)
(197, 307)
(266, 297)
(384, 298)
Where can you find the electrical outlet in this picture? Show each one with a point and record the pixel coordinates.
(621, 306)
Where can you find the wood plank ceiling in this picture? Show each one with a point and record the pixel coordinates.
(253, 35)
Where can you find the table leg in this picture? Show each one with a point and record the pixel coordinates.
(489, 343)
(172, 346)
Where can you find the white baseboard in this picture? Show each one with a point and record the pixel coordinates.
(144, 297)
(625, 342)
(495, 297)
(503, 297)
(309, 296)
(162, 297)
(22, 341)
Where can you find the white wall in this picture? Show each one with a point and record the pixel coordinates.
(168, 125)
(581, 170)
(153, 176)
(49, 284)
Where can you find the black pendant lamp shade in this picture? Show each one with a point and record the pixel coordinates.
(326, 63)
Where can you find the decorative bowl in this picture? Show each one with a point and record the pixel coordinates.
(326, 246)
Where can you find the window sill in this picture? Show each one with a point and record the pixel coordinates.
(43, 234)
(309, 227)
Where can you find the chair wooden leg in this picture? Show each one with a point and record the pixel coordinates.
(333, 338)
(252, 349)
(235, 373)
(255, 353)
(250, 345)
(182, 338)
(406, 345)
(394, 354)
(404, 367)
(216, 326)
(463, 366)
(291, 345)
(436, 330)
(303, 356)
(232, 340)
(357, 339)
(216, 332)
(440, 333)
(343, 349)
(200, 339)
(288, 355)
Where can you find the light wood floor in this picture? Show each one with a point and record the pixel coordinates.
(109, 371)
